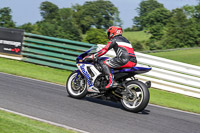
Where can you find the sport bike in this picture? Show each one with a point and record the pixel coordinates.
(89, 80)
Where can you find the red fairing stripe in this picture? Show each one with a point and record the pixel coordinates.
(104, 50)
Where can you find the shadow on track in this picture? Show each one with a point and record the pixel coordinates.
(112, 104)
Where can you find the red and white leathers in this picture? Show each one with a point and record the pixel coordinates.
(125, 56)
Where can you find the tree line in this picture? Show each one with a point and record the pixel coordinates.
(178, 28)
(70, 23)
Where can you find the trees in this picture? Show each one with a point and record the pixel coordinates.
(153, 17)
(180, 31)
(155, 21)
(6, 18)
(68, 23)
(69, 28)
(169, 29)
(100, 14)
(48, 10)
(29, 27)
(58, 22)
(145, 7)
(96, 36)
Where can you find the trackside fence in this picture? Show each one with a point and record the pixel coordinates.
(167, 74)
(51, 51)
(59, 53)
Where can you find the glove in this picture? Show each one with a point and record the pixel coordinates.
(89, 57)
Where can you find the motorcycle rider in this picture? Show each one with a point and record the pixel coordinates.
(125, 56)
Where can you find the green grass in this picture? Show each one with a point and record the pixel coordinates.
(60, 76)
(12, 123)
(33, 71)
(136, 36)
(174, 100)
(190, 56)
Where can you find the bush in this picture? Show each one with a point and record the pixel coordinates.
(139, 45)
(96, 36)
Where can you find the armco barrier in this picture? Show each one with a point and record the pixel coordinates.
(51, 51)
(168, 74)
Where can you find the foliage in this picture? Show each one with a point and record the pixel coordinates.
(96, 36)
(58, 22)
(133, 28)
(189, 11)
(6, 18)
(180, 32)
(48, 10)
(169, 29)
(28, 27)
(139, 45)
(145, 7)
(166, 29)
(155, 22)
(100, 14)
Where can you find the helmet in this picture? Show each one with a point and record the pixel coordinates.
(113, 31)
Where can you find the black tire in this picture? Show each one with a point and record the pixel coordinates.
(144, 97)
(80, 91)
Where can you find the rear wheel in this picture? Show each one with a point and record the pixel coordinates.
(76, 85)
(138, 99)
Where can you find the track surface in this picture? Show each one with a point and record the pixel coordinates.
(51, 102)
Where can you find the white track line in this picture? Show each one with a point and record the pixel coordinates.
(63, 85)
(32, 79)
(46, 121)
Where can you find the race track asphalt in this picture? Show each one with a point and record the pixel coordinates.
(51, 102)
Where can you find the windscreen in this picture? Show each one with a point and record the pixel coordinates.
(93, 49)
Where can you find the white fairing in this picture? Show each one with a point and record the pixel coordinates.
(90, 79)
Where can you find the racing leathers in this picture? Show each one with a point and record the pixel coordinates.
(125, 57)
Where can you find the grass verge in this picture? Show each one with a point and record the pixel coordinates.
(33, 71)
(158, 97)
(174, 100)
(190, 56)
(12, 123)
(136, 36)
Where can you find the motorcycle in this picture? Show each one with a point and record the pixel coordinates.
(88, 80)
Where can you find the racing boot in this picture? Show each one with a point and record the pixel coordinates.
(112, 83)
(109, 76)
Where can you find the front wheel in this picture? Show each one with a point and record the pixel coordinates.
(76, 85)
(138, 99)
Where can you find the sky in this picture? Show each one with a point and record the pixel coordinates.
(24, 11)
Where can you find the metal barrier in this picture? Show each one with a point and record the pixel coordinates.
(61, 53)
(51, 51)
(168, 74)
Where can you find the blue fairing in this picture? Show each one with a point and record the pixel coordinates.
(137, 70)
(103, 58)
(81, 56)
